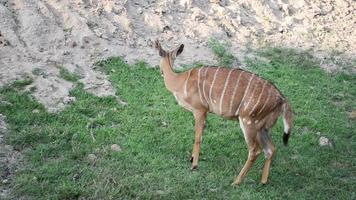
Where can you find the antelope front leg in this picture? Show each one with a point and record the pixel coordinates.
(199, 128)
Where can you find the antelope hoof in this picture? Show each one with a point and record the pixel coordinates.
(194, 167)
(235, 184)
(264, 182)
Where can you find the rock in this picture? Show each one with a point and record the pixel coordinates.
(68, 100)
(281, 29)
(352, 114)
(35, 111)
(73, 44)
(92, 157)
(116, 148)
(186, 4)
(160, 192)
(164, 124)
(66, 53)
(197, 14)
(219, 2)
(324, 141)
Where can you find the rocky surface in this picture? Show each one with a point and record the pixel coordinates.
(45, 35)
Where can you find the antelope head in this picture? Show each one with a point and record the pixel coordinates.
(167, 57)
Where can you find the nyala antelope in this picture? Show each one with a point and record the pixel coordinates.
(232, 94)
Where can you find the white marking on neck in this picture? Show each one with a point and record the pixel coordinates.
(200, 96)
(259, 99)
(235, 88)
(212, 85)
(264, 105)
(185, 84)
(223, 92)
(246, 91)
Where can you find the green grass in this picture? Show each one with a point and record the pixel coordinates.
(67, 75)
(156, 136)
(224, 57)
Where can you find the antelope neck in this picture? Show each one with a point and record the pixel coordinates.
(171, 79)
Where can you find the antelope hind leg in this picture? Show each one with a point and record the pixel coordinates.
(253, 152)
(268, 149)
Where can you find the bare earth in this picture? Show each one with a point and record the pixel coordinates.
(40, 36)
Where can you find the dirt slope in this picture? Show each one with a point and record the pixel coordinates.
(40, 36)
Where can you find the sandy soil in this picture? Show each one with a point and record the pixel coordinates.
(37, 37)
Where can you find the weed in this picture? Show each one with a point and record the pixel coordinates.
(225, 58)
(67, 75)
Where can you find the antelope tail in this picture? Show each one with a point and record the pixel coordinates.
(287, 121)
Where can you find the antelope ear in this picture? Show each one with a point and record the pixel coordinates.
(177, 51)
(180, 49)
(161, 52)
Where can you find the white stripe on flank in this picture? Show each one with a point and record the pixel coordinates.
(259, 98)
(251, 96)
(200, 96)
(223, 92)
(246, 91)
(185, 84)
(269, 94)
(234, 93)
(206, 70)
(212, 85)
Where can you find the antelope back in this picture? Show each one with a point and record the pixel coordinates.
(232, 92)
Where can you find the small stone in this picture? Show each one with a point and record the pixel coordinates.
(139, 10)
(68, 100)
(116, 148)
(324, 141)
(164, 123)
(160, 192)
(281, 29)
(352, 114)
(73, 44)
(66, 53)
(35, 111)
(92, 157)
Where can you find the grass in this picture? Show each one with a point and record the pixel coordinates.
(67, 75)
(156, 137)
(224, 57)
